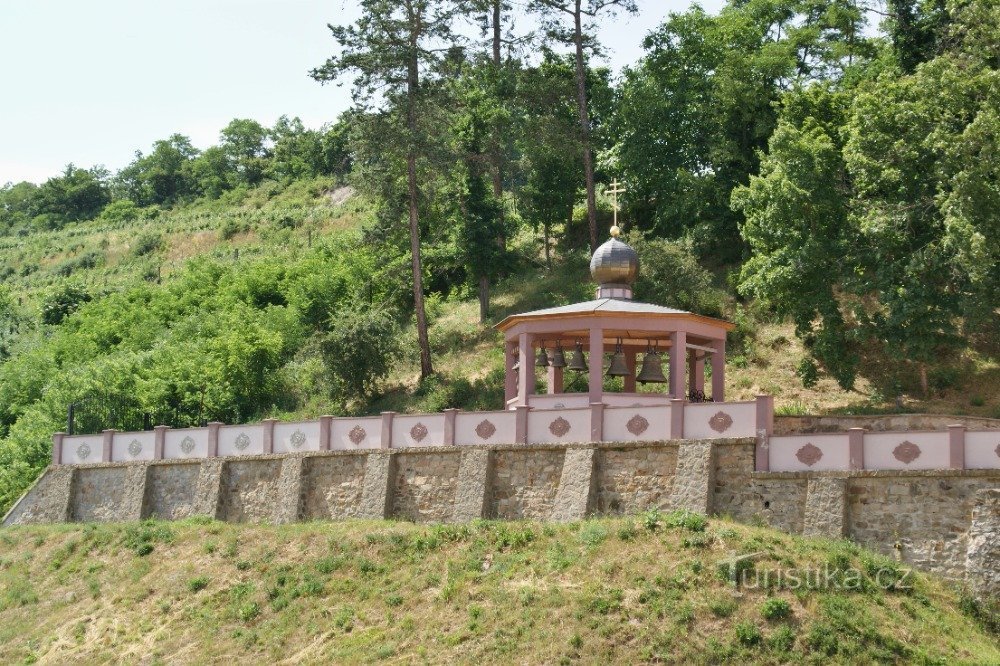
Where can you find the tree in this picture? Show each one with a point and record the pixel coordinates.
(583, 16)
(393, 50)
(161, 178)
(78, 194)
(245, 143)
(359, 351)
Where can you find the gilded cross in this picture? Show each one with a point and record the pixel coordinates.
(616, 189)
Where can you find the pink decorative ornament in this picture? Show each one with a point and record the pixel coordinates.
(486, 429)
(559, 427)
(637, 425)
(809, 454)
(418, 432)
(721, 422)
(357, 435)
(906, 452)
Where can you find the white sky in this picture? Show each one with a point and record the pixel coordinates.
(91, 82)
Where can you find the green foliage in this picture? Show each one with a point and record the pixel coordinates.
(147, 243)
(747, 633)
(671, 275)
(63, 301)
(359, 350)
(198, 583)
(775, 609)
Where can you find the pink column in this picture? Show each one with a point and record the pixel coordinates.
(856, 445)
(510, 375)
(57, 446)
(678, 350)
(213, 438)
(696, 371)
(719, 371)
(595, 378)
(554, 384)
(159, 439)
(526, 373)
(385, 441)
(597, 422)
(449, 426)
(956, 446)
(521, 425)
(677, 418)
(630, 364)
(764, 428)
(269, 435)
(109, 436)
(325, 432)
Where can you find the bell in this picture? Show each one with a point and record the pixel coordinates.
(578, 362)
(543, 357)
(558, 357)
(619, 368)
(652, 369)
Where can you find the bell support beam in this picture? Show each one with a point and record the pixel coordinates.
(595, 383)
(678, 345)
(554, 384)
(719, 371)
(696, 370)
(630, 378)
(510, 376)
(526, 372)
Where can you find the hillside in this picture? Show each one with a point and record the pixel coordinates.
(634, 590)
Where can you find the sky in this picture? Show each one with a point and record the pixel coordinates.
(92, 82)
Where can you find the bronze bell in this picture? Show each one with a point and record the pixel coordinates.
(517, 361)
(558, 357)
(543, 357)
(652, 369)
(578, 362)
(619, 368)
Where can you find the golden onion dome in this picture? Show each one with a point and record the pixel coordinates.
(615, 262)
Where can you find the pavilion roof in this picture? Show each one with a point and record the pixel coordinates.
(608, 307)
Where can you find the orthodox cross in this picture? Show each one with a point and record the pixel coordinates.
(616, 189)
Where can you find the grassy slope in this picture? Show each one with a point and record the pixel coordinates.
(600, 591)
(464, 350)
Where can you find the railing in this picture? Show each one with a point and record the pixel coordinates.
(856, 449)
(596, 422)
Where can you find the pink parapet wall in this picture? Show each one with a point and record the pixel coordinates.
(954, 448)
(641, 421)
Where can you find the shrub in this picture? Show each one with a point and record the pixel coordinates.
(248, 611)
(147, 243)
(63, 301)
(775, 609)
(672, 275)
(782, 640)
(747, 633)
(687, 519)
(722, 606)
(359, 350)
(198, 583)
(592, 534)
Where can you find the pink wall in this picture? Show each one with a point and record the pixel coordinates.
(129, 446)
(558, 425)
(82, 449)
(907, 450)
(637, 424)
(708, 420)
(352, 434)
(485, 428)
(296, 437)
(417, 430)
(982, 449)
(186, 443)
(810, 453)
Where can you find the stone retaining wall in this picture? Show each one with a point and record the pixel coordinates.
(945, 521)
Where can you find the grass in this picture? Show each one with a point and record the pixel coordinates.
(487, 592)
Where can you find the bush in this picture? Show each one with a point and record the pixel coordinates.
(198, 583)
(747, 633)
(688, 520)
(359, 350)
(775, 609)
(63, 301)
(147, 243)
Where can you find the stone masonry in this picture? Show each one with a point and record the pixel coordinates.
(944, 521)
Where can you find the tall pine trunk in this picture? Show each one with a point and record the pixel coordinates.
(426, 368)
(581, 99)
